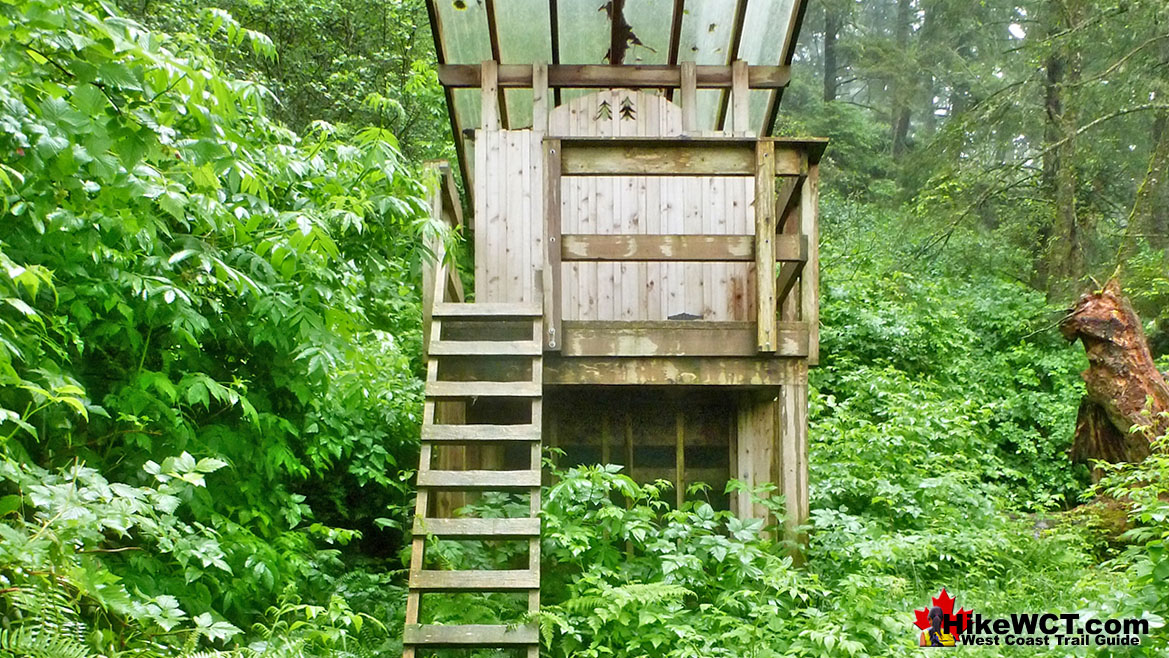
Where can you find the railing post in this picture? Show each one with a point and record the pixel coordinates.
(764, 247)
(810, 277)
(553, 335)
(433, 276)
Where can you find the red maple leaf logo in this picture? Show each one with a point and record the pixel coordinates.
(946, 603)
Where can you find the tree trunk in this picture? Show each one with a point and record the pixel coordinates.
(1124, 388)
(833, 22)
(899, 120)
(1150, 208)
(1062, 240)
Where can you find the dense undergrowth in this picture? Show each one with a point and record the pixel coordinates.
(209, 333)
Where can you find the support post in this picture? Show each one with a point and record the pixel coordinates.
(553, 334)
(810, 276)
(740, 100)
(540, 98)
(764, 247)
(791, 453)
(689, 98)
(489, 95)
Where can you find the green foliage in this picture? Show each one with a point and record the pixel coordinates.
(1144, 487)
(182, 274)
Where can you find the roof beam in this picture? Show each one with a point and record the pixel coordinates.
(799, 9)
(599, 76)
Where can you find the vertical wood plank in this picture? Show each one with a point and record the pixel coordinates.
(764, 245)
(515, 219)
(479, 219)
(689, 98)
(791, 465)
(740, 101)
(756, 432)
(810, 276)
(489, 95)
(540, 97)
(552, 304)
(430, 271)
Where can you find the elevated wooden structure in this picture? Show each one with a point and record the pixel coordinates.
(645, 287)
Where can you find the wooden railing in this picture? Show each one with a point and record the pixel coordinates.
(785, 231)
(440, 280)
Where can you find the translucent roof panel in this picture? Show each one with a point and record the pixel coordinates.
(649, 21)
(709, 32)
(584, 32)
(463, 26)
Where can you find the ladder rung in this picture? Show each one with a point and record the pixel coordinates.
(480, 433)
(478, 635)
(483, 389)
(492, 581)
(479, 479)
(487, 309)
(478, 528)
(485, 348)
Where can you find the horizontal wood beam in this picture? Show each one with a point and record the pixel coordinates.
(479, 479)
(478, 528)
(594, 76)
(686, 248)
(791, 248)
(631, 156)
(677, 338)
(661, 158)
(470, 635)
(489, 581)
(681, 370)
(697, 248)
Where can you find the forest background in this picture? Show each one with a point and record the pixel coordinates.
(210, 254)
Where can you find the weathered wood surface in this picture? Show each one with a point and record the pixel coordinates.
(484, 309)
(476, 432)
(478, 479)
(1121, 378)
(471, 528)
(665, 159)
(490, 581)
(592, 76)
(656, 371)
(485, 347)
(719, 248)
(650, 206)
(678, 338)
(470, 635)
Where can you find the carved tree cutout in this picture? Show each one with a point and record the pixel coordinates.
(604, 112)
(628, 111)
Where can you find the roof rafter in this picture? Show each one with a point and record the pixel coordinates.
(675, 39)
(554, 25)
(456, 133)
(736, 42)
(799, 9)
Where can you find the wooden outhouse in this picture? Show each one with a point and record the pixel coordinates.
(646, 270)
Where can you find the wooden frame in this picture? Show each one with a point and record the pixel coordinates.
(765, 159)
(594, 76)
(683, 156)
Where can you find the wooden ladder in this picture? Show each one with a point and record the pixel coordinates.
(424, 636)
